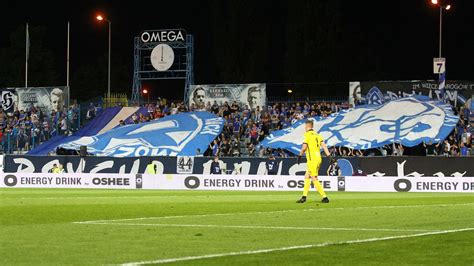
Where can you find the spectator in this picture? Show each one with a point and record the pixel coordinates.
(63, 126)
(251, 150)
(466, 137)
(216, 167)
(236, 128)
(271, 165)
(225, 148)
(151, 168)
(235, 148)
(430, 148)
(215, 148)
(334, 169)
(91, 110)
(61, 169)
(464, 150)
(254, 134)
(198, 153)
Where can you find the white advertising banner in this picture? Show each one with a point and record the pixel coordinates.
(409, 184)
(237, 182)
(39, 180)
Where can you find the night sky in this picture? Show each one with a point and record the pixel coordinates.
(255, 41)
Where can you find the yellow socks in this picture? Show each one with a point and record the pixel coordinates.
(319, 188)
(307, 185)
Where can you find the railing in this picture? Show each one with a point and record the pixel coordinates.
(116, 99)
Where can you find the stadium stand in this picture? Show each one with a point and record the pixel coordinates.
(28, 131)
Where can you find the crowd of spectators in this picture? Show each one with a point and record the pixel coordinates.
(244, 129)
(22, 130)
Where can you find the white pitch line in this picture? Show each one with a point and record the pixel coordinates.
(271, 212)
(271, 227)
(260, 251)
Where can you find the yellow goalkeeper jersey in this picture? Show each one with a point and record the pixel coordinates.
(313, 140)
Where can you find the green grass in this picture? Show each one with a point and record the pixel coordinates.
(37, 226)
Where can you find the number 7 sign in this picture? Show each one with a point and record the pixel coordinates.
(439, 65)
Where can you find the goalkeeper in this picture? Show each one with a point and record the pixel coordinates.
(312, 146)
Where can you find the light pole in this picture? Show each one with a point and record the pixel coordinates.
(441, 8)
(101, 18)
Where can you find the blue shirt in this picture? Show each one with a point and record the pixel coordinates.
(236, 126)
(215, 168)
(272, 167)
(214, 149)
(466, 113)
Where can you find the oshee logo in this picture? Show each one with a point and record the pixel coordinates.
(192, 182)
(300, 184)
(111, 181)
(402, 185)
(10, 180)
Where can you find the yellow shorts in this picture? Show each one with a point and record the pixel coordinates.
(313, 166)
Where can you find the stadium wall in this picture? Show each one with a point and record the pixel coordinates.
(414, 166)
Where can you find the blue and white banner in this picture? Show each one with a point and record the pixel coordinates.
(455, 92)
(408, 121)
(180, 134)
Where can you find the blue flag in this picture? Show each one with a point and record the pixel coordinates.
(175, 135)
(409, 121)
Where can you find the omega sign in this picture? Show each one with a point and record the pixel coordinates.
(163, 36)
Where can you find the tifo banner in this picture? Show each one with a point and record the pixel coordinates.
(47, 99)
(181, 134)
(379, 92)
(415, 166)
(251, 95)
(107, 119)
(231, 183)
(409, 121)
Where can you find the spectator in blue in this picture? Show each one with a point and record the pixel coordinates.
(90, 111)
(271, 165)
(236, 130)
(464, 150)
(216, 166)
(215, 148)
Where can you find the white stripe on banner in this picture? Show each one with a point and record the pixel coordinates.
(123, 114)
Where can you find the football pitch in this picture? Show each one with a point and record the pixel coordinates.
(96, 227)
